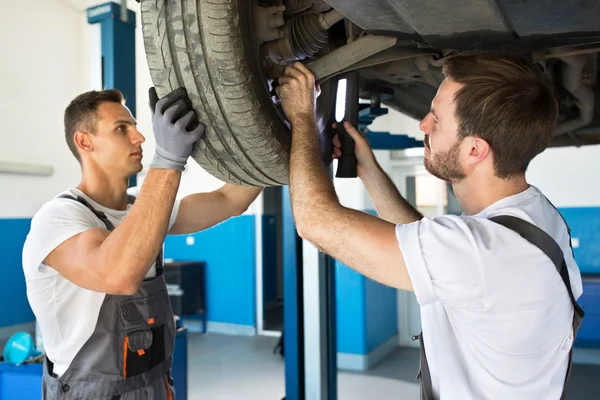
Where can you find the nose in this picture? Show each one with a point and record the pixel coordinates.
(138, 138)
(426, 124)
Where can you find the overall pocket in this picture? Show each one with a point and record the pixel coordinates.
(143, 350)
(144, 320)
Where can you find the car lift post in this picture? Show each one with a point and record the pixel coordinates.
(118, 51)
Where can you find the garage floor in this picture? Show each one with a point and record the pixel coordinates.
(229, 367)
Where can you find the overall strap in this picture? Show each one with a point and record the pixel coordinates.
(97, 213)
(548, 245)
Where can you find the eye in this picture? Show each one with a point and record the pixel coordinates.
(122, 128)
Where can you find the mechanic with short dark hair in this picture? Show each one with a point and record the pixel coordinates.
(93, 257)
(497, 285)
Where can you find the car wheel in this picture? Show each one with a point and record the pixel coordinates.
(209, 47)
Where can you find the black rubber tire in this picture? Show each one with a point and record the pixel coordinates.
(206, 47)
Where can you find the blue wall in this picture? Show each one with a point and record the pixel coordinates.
(229, 250)
(381, 313)
(585, 226)
(350, 314)
(12, 237)
(589, 332)
(367, 312)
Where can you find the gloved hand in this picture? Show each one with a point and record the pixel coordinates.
(176, 129)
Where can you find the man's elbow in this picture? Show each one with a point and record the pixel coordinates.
(311, 221)
(120, 284)
(305, 227)
(238, 210)
(125, 287)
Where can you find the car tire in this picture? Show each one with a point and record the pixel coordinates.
(207, 47)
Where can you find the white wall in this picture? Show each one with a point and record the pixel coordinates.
(568, 176)
(40, 72)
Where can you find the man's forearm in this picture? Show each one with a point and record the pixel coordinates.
(312, 192)
(129, 251)
(388, 201)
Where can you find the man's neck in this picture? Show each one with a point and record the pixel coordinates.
(106, 190)
(475, 194)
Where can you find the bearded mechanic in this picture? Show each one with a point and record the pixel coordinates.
(93, 257)
(497, 285)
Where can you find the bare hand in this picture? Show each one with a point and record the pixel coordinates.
(362, 148)
(298, 93)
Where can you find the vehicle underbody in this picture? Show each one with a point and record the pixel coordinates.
(562, 39)
(229, 53)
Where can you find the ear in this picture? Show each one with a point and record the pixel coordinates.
(478, 148)
(83, 141)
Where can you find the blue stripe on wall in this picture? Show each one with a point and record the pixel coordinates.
(367, 311)
(381, 313)
(381, 310)
(12, 237)
(229, 250)
(589, 333)
(350, 313)
(585, 226)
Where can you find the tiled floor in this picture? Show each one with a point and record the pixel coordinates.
(230, 367)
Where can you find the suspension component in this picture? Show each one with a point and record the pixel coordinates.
(303, 37)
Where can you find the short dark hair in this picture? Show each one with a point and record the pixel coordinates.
(509, 102)
(81, 114)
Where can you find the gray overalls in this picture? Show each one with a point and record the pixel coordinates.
(548, 245)
(129, 354)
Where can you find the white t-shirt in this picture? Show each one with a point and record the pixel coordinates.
(66, 313)
(496, 316)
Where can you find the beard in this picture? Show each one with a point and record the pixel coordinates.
(445, 166)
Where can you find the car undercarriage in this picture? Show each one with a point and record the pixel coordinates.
(229, 53)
